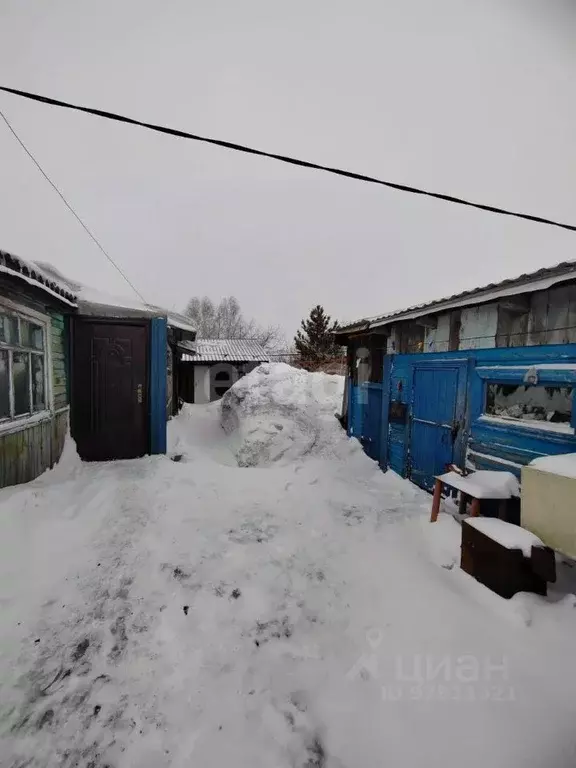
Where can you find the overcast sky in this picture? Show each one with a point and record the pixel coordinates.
(473, 98)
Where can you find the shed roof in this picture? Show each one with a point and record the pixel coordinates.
(35, 275)
(227, 351)
(531, 281)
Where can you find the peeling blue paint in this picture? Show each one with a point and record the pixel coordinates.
(479, 442)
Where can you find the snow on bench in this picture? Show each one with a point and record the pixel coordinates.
(484, 484)
(508, 535)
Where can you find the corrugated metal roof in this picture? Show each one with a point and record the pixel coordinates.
(228, 351)
(539, 280)
(35, 275)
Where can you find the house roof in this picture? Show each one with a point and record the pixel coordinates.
(531, 281)
(35, 275)
(227, 351)
(92, 301)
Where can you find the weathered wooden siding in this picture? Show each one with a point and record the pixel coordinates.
(28, 450)
(438, 339)
(478, 327)
(59, 350)
(26, 453)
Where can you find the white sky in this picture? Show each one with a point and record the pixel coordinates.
(469, 98)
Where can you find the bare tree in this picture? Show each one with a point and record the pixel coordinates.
(226, 321)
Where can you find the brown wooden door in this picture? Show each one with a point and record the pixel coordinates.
(109, 390)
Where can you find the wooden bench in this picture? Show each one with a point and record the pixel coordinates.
(483, 484)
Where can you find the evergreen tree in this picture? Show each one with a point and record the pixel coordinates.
(315, 341)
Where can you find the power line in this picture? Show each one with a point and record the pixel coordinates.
(67, 204)
(285, 158)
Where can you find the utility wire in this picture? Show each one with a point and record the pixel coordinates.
(285, 158)
(67, 204)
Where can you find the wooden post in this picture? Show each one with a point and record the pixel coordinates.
(436, 500)
(475, 508)
(462, 503)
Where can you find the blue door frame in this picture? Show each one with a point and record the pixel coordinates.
(157, 388)
(437, 418)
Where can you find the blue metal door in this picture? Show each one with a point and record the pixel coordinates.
(437, 420)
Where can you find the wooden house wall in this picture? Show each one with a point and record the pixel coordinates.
(27, 450)
(526, 320)
(59, 350)
(27, 453)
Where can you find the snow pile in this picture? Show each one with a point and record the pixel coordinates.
(278, 413)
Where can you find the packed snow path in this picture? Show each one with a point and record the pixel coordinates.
(299, 612)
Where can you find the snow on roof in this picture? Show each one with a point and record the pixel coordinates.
(34, 274)
(533, 281)
(228, 351)
(564, 464)
(92, 301)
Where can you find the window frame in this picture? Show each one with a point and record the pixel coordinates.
(23, 312)
(549, 374)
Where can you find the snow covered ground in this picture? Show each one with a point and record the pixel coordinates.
(295, 611)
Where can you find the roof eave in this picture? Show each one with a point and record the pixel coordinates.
(490, 293)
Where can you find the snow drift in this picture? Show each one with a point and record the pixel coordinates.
(278, 413)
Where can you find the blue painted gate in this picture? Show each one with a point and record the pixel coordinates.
(437, 420)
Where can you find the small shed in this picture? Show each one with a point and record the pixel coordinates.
(484, 380)
(34, 372)
(209, 367)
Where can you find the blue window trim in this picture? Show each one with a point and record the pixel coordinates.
(552, 376)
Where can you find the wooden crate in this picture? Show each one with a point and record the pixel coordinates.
(504, 571)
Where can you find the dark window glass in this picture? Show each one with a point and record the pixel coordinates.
(4, 386)
(21, 379)
(530, 403)
(38, 383)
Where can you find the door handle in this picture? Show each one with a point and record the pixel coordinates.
(139, 396)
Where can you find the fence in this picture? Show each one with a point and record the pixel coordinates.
(335, 364)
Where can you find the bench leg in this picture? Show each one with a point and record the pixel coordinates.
(463, 501)
(436, 501)
(475, 508)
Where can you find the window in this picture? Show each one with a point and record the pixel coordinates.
(530, 404)
(22, 365)
(222, 383)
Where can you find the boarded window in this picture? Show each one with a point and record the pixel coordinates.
(530, 403)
